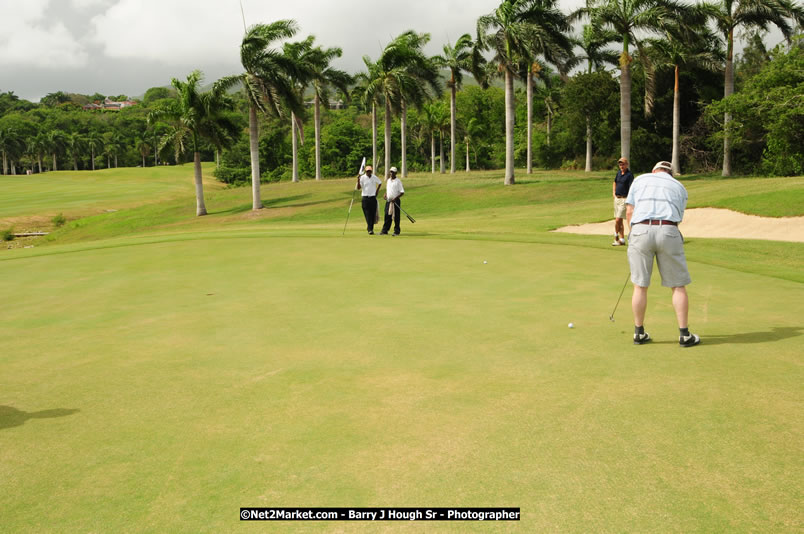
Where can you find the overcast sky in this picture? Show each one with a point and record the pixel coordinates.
(127, 46)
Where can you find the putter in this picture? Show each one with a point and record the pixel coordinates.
(611, 317)
(411, 219)
(362, 166)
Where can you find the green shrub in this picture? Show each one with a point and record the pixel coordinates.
(7, 234)
(59, 220)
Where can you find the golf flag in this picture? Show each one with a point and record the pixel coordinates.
(362, 167)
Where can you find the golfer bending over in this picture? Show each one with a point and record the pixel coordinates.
(654, 207)
(393, 196)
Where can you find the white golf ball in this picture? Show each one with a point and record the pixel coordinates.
(484, 261)
(571, 325)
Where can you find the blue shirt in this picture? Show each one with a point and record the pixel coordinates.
(623, 181)
(657, 196)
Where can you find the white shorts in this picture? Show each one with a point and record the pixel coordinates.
(619, 208)
(666, 244)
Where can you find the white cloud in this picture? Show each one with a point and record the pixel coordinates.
(174, 32)
(28, 39)
(89, 4)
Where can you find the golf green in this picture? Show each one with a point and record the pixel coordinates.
(160, 385)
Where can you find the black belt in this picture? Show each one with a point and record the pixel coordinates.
(657, 222)
(618, 196)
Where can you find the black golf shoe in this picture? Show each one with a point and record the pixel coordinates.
(689, 341)
(641, 339)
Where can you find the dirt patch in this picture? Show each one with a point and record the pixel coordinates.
(720, 223)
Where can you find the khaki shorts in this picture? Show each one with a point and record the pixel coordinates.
(666, 244)
(619, 208)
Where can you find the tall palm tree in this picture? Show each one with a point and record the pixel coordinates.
(266, 85)
(200, 114)
(630, 19)
(323, 77)
(402, 75)
(462, 56)
(302, 55)
(732, 14)
(37, 145)
(593, 42)
(685, 44)
(510, 34)
(370, 98)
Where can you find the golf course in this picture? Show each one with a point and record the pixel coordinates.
(159, 370)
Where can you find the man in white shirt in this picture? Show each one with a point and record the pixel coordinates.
(369, 185)
(393, 202)
(654, 208)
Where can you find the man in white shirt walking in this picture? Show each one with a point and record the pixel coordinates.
(654, 208)
(369, 185)
(393, 202)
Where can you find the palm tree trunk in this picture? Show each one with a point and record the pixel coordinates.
(317, 137)
(404, 127)
(509, 127)
(115, 161)
(467, 156)
(200, 209)
(441, 145)
(452, 113)
(92, 151)
(75, 163)
(156, 156)
(530, 122)
(108, 161)
(54, 162)
(39, 161)
(295, 146)
(588, 144)
(728, 90)
(254, 148)
(373, 135)
(5, 163)
(387, 137)
(674, 163)
(625, 107)
(432, 152)
(143, 162)
(13, 168)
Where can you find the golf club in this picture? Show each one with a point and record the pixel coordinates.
(611, 317)
(362, 166)
(411, 219)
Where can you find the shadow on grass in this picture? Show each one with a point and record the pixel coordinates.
(11, 417)
(775, 334)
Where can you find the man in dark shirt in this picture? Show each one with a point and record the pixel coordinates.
(619, 190)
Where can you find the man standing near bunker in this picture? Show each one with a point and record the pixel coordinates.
(619, 190)
(654, 208)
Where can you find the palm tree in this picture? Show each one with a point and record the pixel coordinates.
(266, 84)
(471, 132)
(56, 140)
(200, 114)
(10, 143)
(93, 140)
(144, 148)
(509, 33)
(302, 56)
(370, 98)
(36, 146)
(75, 144)
(628, 19)
(685, 44)
(593, 42)
(323, 77)
(732, 14)
(402, 75)
(463, 56)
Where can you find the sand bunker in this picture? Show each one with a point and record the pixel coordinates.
(713, 222)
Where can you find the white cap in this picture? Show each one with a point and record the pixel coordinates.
(392, 169)
(665, 166)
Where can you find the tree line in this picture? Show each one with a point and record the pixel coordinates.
(675, 94)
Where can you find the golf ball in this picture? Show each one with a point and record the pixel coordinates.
(571, 325)
(484, 261)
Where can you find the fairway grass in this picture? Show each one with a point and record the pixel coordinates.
(159, 371)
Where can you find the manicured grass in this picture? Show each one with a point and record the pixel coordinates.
(159, 370)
